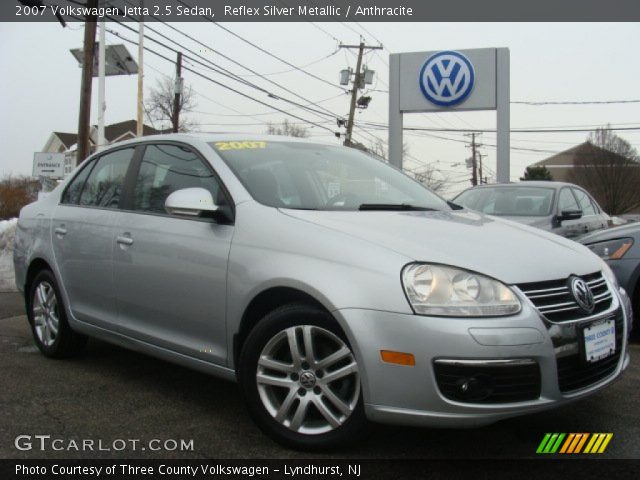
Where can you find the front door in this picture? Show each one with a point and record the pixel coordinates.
(170, 272)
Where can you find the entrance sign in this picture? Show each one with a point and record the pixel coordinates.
(50, 165)
(444, 81)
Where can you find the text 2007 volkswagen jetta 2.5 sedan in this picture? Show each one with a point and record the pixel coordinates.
(333, 287)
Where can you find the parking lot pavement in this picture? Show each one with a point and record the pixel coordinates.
(11, 304)
(110, 393)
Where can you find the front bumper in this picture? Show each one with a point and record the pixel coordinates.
(410, 395)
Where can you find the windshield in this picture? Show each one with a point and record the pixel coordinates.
(509, 201)
(322, 177)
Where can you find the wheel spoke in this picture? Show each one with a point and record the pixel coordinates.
(286, 405)
(336, 356)
(42, 296)
(53, 325)
(274, 381)
(38, 310)
(326, 413)
(336, 401)
(276, 365)
(50, 297)
(296, 356)
(38, 320)
(340, 373)
(301, 413)
(308, 344)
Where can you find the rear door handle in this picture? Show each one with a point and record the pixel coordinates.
(124, 239)
(61, 230)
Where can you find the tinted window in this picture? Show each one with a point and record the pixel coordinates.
(585, 202)
(320, 177)
(567, 201)
(103, 188)
(167, 168)
(72, 193)
(510, 201)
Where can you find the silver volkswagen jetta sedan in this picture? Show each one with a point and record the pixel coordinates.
(333, 287)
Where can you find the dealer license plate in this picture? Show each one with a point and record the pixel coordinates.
(600, 340)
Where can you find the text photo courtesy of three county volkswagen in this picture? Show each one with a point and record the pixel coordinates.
(332, 237)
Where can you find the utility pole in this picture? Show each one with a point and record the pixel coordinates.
(140, 105)
(358, 83)
(480, 157)
(84, 117)
(177, 89)
(474, 159)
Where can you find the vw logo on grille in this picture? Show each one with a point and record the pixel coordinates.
(447, 78)
(582, 294)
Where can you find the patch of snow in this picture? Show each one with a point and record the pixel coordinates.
(7, 236)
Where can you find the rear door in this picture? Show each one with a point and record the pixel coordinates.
(82, 236)
(170, 271)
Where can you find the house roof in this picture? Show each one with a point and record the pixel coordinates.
(116, 130)
(67, 139)
(567, 158)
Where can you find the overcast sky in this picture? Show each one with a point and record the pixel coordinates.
(39, 87)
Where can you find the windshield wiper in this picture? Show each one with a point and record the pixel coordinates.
(393, 206)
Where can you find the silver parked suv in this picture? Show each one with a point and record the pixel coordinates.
(333, 287)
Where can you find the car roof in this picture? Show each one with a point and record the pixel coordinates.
(523, 184)
(214, 137)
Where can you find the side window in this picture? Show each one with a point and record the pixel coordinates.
(167, 168)
(72, 193)
(585, 202)
(567, 201)
(104, 185)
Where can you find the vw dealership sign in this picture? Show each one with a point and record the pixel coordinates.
(442, 81)
(447, 78)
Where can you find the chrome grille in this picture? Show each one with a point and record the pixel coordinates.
(554, 300)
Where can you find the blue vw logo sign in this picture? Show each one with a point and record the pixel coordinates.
(447, 78)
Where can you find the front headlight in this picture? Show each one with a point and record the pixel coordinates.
(612, 249)
(453, 292)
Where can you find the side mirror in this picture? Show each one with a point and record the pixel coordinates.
(191, 202)
(570, 215)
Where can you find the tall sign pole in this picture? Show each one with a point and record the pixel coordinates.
(84, 117)
(101, 74)
(140, 106)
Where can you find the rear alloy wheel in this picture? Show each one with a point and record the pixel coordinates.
(48, 319)
(303, 382)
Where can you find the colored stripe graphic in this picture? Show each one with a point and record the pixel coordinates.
(573, 443)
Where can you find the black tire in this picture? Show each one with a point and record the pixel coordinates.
(270, 326)
(65, 343)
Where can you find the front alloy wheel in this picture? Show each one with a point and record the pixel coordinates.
(308, 380)
(301, 380)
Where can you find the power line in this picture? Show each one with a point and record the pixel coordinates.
(223, 85)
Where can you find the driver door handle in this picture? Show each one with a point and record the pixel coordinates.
(124, 239)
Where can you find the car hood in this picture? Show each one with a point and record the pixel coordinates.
(508, 251)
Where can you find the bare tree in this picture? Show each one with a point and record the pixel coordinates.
(288, 129)
(426, 174)
(159, 106)
(609, 167)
